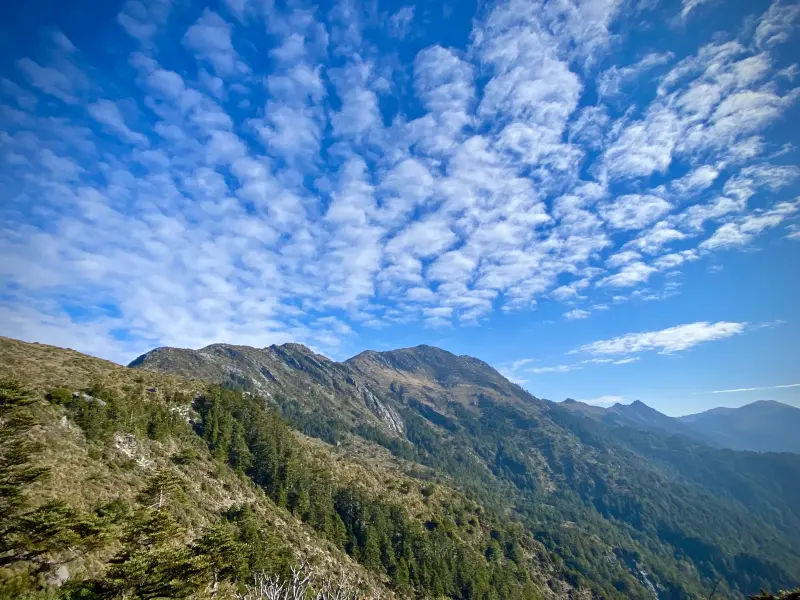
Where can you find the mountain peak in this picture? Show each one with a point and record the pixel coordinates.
(434, 364)
(770, 404)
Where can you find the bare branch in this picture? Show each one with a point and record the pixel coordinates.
(304, 584)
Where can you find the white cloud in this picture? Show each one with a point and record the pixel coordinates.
(629, 275)
(688, 6)
(576, 314)
(666, 341)
(142, 19)
(400, 22)
(62, 79)
(608, 400)
(360, 111)
(626, 361)
(776, 25)
(654, 239)
(301, 173)
(622, 258)
(695, 181)
(107, 113)
(633, 211)
(753, 389)
(521, 363)
(554, 369)
(743, 231)
(210, 39)
(611, 81)
(644, 147)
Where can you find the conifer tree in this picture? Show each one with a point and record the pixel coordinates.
(33, 540)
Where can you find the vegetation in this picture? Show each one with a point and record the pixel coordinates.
(152, 543)
(121, 483)
(423, 559)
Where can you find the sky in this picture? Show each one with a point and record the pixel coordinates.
(600, 198)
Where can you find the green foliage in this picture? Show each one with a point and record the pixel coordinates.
(613, 502)
(34, 540)
(159, 559)
(428, 562)
(60, 396)
(101, 412)
(616, 511)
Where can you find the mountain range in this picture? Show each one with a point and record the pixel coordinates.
(763, 426)
(540, 499)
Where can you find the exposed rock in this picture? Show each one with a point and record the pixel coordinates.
(385, 413)
(58, 577)
(127, 445)
(286, 373)
(88, 398)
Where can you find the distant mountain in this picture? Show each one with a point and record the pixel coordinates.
(636, 415)
(764, 426)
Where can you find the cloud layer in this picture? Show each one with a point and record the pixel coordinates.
(665, 341)
(223, 184)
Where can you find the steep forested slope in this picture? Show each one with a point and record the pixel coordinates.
(161, 487)
(628, 513)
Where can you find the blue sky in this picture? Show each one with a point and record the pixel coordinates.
(597, 197)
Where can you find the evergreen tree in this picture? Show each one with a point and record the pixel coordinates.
(158, 560)
(33, 540)
(239, 455)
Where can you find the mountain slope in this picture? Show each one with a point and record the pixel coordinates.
(635, 515)
(764, 426)
(107, 431)
(290, 373)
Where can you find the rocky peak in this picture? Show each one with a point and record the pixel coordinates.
(436, 365)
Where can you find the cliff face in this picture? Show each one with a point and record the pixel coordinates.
(319, 384)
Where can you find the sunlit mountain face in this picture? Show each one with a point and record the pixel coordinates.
(598, 197)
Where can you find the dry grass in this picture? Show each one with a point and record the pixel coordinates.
(44, 367)
(87, 474)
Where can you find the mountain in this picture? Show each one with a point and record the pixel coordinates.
(764, 426)
(422, 473)
(624, 499)
(636, 415)
(291, 375)
(132, 483)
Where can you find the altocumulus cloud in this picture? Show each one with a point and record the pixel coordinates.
(672, 339)
(255, 174)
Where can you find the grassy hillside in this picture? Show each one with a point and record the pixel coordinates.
(190, 489)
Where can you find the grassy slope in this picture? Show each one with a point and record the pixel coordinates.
(85, 474)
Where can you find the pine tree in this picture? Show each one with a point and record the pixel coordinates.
(158, 560)
(16, 451)
(33, 540)
(239, 455)
(161, 490)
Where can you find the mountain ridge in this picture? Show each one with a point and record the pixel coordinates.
(761, 426)
(109, 431)
(543, 462)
